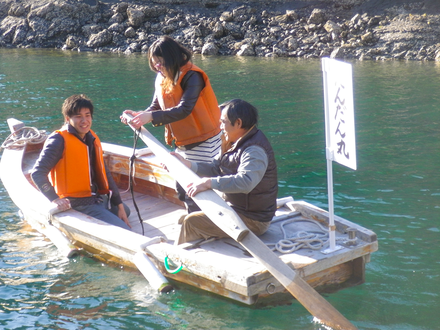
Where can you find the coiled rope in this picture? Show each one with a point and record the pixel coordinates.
(24, 135)
(314, 240)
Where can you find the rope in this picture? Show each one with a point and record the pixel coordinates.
(24, 135)
(314, 240)
(131, 175)
(169, 270)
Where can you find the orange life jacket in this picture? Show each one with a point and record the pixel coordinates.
(202, 123)
(71, 176)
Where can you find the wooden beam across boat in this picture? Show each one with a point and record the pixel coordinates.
(223, 216)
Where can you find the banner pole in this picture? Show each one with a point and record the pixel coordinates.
(331, 210)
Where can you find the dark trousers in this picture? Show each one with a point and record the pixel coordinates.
(191, 206)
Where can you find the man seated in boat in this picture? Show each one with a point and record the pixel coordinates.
(71, 172)
(245, 172)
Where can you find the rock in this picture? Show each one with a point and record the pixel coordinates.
(292, 44)
(116, 18)
(218, 31)
(209, 49)
(115, 27)
(100, 39)
(90, 29)
(332, 27)
(373, 21)
(135, 17)
(40, 26)
(292, 15)
(18, 10)
(72, 42)
(337, 53)
(155, 11)
(121, 7)
(246, 28)
(316, 17)
(233, 30)
(226, 16)
(43, 11)
(368, 38)
(20, 34)
(130, 32)
(168, 29)
(8, 27)
(282, 18)
(246, 50)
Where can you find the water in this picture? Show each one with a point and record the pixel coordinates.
(395, 191)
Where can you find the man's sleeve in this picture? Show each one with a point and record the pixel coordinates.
(49, 157)
(204, 169)
(253, 166)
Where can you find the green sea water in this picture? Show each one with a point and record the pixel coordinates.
(395, 191)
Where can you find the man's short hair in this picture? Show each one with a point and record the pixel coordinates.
(238, 108)
(73, 105)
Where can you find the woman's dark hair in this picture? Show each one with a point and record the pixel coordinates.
(238, 108)
(174, 55)
(73, 105)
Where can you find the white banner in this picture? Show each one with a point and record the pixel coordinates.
(339, 112)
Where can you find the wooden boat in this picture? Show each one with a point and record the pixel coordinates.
(219, 266)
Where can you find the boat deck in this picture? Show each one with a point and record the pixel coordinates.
(159, 216)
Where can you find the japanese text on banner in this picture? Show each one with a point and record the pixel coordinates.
(338, 94)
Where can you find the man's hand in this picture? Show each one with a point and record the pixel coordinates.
(122, 215)
(63, 204)
(184, 161)
(199, 186)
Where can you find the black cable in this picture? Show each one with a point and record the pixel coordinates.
(131, 176)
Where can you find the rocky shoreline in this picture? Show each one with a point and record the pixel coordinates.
(347, 29)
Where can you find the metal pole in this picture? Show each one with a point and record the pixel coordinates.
(331, 211)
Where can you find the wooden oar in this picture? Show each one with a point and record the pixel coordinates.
(222, 215)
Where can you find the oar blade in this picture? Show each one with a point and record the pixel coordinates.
(300, 289)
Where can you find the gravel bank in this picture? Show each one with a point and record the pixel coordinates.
(352, 29)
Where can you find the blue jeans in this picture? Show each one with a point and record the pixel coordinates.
(102, 212)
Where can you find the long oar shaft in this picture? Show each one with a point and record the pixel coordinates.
(231, 224)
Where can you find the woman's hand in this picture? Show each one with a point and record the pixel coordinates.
(140, 118)
(124, 119)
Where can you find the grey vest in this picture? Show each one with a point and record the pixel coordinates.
(260, 204)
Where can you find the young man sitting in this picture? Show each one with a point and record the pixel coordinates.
(71, 172)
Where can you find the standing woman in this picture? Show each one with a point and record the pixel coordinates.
(184, 102)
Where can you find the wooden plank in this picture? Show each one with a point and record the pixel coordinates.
(159, 216)
(146, 167)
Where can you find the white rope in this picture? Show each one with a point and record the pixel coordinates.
(313, 240)
(23, 136)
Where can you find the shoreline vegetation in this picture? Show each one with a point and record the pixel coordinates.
(344, 29)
